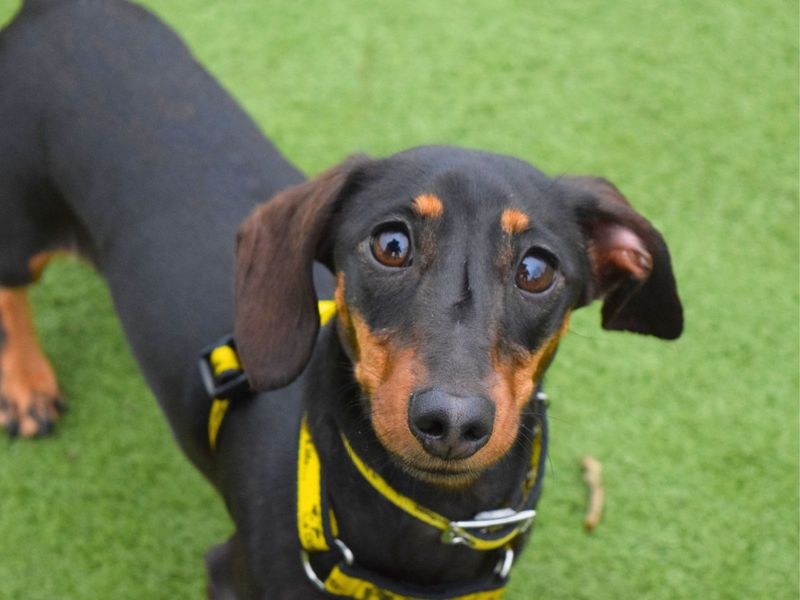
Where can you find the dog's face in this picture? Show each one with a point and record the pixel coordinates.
(456, 275)
(455, 281)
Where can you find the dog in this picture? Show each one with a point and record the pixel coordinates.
(396, 451)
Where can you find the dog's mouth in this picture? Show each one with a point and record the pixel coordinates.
(448, 474)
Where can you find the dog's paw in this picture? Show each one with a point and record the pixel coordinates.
(30, 405)
(30, 401)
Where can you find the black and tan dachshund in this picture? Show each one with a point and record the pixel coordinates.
(394, 452)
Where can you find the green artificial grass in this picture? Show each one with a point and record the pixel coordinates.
(691, 108)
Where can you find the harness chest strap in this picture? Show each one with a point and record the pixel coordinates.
(318, 531)
(224, 377)
(340, 583)
(348, 585)
(448, 527)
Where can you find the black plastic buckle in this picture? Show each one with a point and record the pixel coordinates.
(231, 384)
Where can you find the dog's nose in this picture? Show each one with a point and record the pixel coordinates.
(450, 427)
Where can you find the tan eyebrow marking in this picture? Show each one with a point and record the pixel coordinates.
(428, 206)
(513, 221)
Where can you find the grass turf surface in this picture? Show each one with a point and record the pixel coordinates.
(691, 108)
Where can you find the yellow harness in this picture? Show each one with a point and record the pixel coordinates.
(344, 579)
(317, 528)
(220, 363)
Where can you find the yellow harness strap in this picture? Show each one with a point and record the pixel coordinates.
(327, 310)
(224, 358)
(344, 580)
(311, 523)
(432, 518)
(340, 583)
(219, 407)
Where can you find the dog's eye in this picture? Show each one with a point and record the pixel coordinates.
(535, 273)
(391, 245)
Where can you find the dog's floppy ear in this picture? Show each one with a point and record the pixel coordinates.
(276, 319)
(631, 268)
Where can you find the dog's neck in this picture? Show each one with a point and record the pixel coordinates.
(381, 536)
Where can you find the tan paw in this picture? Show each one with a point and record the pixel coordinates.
(32, 415)
(30, 401)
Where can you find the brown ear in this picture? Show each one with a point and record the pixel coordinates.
(276, 319)
(631, 267)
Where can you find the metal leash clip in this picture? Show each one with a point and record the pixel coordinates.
(458, 532)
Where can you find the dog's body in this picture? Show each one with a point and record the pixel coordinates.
(117, 145)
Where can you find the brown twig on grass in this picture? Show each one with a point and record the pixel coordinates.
(592, 470)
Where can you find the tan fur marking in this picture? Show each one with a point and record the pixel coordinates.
(385, 371)
(513, 221)
(513, 379)
(428, 206)
(38, 262)
(373, 356)
(403, 372)
(27, 381)
(387, 374)
(395, 373)
(343, 315)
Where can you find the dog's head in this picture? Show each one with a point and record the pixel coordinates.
(456, 275)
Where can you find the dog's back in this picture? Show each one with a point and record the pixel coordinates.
(118, 144)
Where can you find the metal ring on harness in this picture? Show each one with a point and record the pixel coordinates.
(347, 555)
